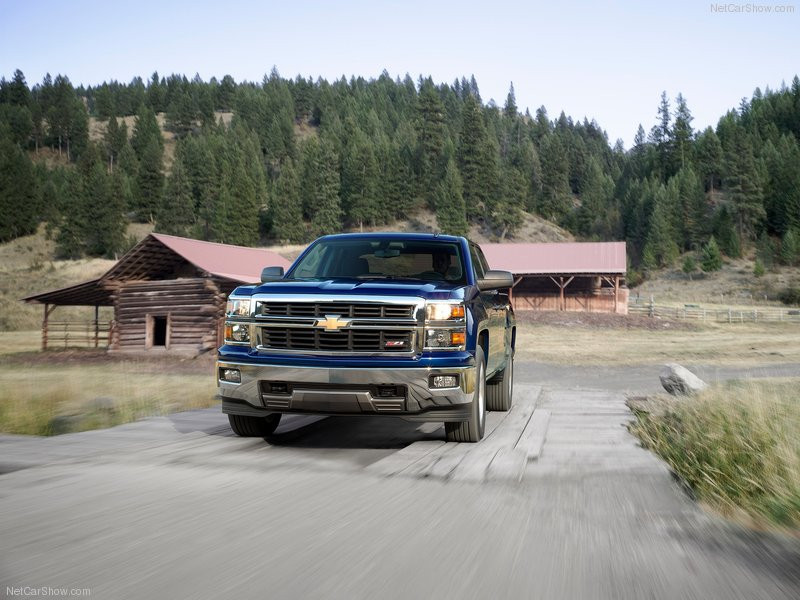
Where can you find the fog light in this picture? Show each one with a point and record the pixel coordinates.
(230, 375)
(444, 381)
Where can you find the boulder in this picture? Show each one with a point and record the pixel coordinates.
(680, 381)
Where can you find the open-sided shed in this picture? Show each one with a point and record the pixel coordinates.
(167, 293)
(575, 276)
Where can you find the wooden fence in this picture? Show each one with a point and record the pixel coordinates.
(717, 315)
(76, 334)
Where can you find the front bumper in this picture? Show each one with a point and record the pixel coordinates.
(347, 391)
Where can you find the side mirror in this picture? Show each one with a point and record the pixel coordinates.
(496, 280)
(271, 274)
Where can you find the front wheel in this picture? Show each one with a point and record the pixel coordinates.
(254, 426)
(472, 430)
(500, 389)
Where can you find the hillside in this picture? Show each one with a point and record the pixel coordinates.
(733, 285)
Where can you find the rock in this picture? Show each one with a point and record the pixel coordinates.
(678, 380)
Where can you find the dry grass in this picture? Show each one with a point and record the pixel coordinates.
(48, 400)
(749, 344)
(736, 445)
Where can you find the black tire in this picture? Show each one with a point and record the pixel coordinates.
(254, 426)
(472, 430)
(500, 389)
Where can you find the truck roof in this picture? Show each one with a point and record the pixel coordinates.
(382, 235)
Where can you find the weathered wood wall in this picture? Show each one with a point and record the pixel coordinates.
(601, 300)
(193, 309)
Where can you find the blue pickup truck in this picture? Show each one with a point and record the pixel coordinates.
(407, 325)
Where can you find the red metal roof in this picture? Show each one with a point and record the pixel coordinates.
(232, 262)
(557, 258)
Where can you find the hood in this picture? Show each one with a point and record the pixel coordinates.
(429, 290)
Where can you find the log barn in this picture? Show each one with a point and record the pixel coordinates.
(573, 276)
(167, 293)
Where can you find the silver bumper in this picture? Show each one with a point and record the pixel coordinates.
(347, 391)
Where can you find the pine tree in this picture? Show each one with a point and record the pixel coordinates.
(451, 215)
(182, 113)
(359, 181)
(692, 225)
(176, 213)
(660, 247)
(596, 202)
(115, 138)
(18, 194)
(145, 131)
(743, 185)
(326, 211)
(287, 218)
(661, 137)
(682, 135)
(712, 259)
(430, 132)
(790, 248)
(725, 231)
(510, 108)
(104, 234)
(782, 186)
(149, 182)
(477, 160)
(689, 266)
(556, 194)
(72, 231)
(708, 150)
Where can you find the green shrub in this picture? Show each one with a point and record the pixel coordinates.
(790, 296)
(736, 445)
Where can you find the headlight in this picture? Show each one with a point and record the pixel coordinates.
(237, 333)
(237, 307)
(443, 311)
(445, 326)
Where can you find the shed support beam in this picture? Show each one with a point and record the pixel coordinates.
(47, 310)
(561, 285)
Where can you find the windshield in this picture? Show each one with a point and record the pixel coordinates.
(382, 259)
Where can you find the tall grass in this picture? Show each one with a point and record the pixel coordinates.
(737, 445)
(43, 400)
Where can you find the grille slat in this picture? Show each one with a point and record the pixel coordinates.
(343, 309)
(292, 338)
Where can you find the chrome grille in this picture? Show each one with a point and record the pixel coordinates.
(346, 340)
(343, 309)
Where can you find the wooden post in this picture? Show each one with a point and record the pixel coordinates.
(44, 326)
(96, 326)
(616, 293)
(561, 288)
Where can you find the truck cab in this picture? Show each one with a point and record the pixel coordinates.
(406, 325)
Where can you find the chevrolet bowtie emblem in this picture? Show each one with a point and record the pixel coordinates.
(332, 323)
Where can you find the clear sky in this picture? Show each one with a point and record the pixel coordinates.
(605, 61)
